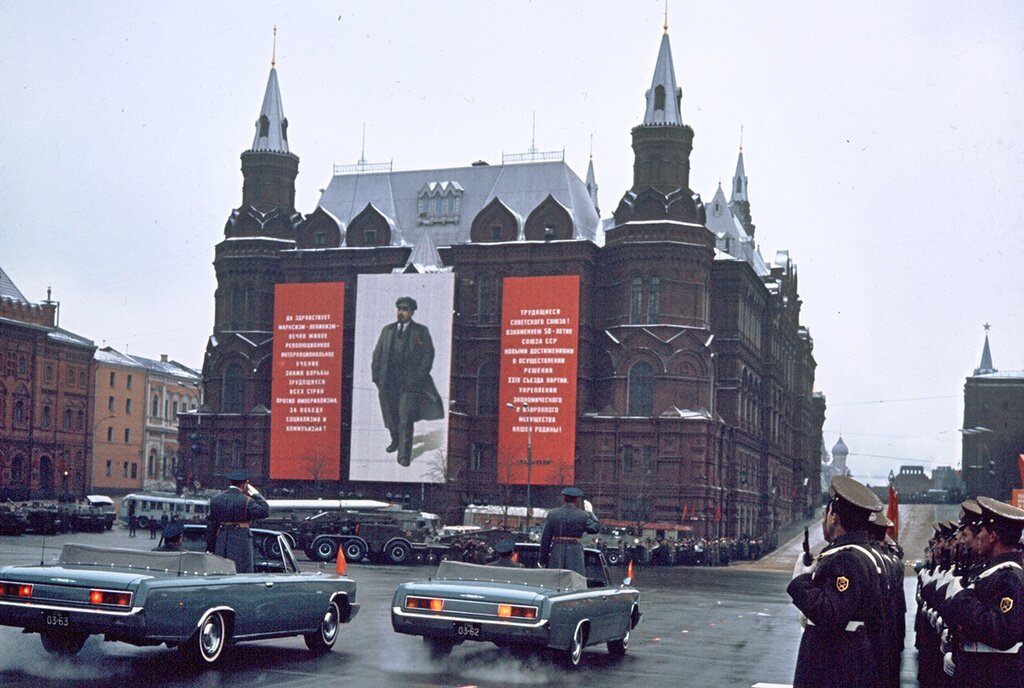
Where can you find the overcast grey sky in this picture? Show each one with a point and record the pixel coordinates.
(883, 143)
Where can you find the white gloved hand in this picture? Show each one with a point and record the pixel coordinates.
(251, 490)
(587, 506)
(800, 569)
(947, 664)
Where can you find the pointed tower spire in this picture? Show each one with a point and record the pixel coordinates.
(664, 97)
(739, 200)
(592, 179)
(986, 357)
(272, 125)
(269, 167)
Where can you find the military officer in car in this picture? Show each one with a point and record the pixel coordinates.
(231, 512)
(560, 546)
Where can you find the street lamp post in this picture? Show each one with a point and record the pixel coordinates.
(523, 408)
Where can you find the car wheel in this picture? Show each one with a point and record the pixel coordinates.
(143, 521)
(572, 657)
(325, 549)
(206, 646)
(438, 648)
(617, 648)
(354, 551)
(398, 552)
(64, 644)
(323, 640)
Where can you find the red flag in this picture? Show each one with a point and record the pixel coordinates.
(1020, 465)
(893, 512)
(718, 513)
(686, 510)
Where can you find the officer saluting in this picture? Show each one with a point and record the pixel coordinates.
(839, 594)
(560, 546)
(227, 531)
(989, 612)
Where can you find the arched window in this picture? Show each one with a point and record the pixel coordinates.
(151, 464)
(44, 420)
(19, 411)
(485, 308)
(487, 389)
(154, 408)
(640, 399)
(81, 420)
(636, 301)
(264, 125)
(659, 97)
(67, 418)
(48, 375)
(234, 389)
(654, 300)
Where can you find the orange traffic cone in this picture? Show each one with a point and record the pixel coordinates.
(341, 566)
(629, 570)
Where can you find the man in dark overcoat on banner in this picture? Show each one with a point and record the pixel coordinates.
(401, 367)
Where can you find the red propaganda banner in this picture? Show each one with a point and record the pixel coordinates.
(305, 410)
(537, 397)
(893, 513)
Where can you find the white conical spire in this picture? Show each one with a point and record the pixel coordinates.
(664, 96)
(272, 125)
(739, 181)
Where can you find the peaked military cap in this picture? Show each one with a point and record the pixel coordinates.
(572, 492)
(1001, 515)
(505, 547)
(237, 474)
(173, 529)
(846, 489)
(406, 302)
(970, 513)
(877, 518)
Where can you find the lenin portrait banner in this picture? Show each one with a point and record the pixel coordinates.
(539, 353)
(401, 377)
(305, 387)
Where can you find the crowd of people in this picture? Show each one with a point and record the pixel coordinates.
(683, 551)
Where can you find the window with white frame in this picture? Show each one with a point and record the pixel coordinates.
(439, 203)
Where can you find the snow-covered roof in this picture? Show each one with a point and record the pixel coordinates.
(520, 186)
(730, 235)
(9, 290)
(665, 79)
(272, 126)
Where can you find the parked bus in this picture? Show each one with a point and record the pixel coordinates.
(496, 516)
(151, 507)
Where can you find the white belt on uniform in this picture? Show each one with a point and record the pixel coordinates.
(982, 647)
(851, 627)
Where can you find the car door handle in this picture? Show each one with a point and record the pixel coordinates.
(268, 584)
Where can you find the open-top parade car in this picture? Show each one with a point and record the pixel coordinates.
(194, 601)
(527, 607)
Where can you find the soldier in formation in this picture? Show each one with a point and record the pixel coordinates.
(840, 596)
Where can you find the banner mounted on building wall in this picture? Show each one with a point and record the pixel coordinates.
(539, 354)
(305, 412)
(401, 377)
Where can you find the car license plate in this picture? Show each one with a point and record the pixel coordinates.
(467, 630)
(57, 620)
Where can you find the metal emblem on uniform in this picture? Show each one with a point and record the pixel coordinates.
(1006, 604)
(842, 583)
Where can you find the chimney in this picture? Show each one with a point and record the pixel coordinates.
(163, 358)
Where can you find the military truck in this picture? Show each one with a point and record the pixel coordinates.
(393, 536)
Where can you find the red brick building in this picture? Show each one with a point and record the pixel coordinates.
(45, 400)
(695, 378)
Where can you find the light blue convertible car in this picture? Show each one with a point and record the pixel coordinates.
(519, 607)
(190, 600)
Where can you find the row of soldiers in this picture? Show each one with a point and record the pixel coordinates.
(970, 595)
(850, 596)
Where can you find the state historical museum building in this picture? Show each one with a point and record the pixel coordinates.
(694, 377)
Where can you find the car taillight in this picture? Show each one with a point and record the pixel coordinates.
(513, 611)
(434, 604)
(119, 599)
(15, 590)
